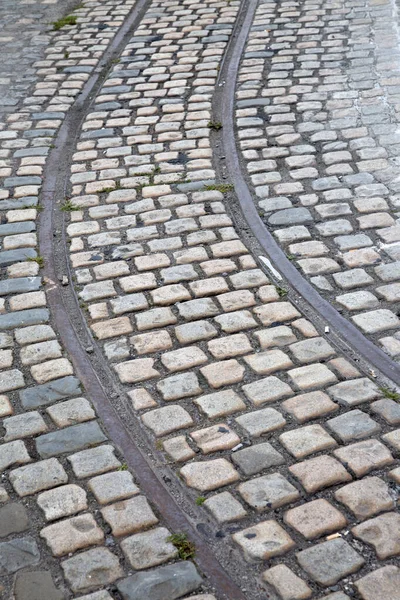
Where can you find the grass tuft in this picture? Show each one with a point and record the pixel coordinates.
(389, 393)
(200, 500)
(186, 548)
(67, 20)
(37, 259)
(216, 125)
(220, 187)
(69, 206)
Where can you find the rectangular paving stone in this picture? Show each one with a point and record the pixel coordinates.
(309, 406)
(94, 461)
(364, 456)
(268, 491)
(22, 318)
(312, 376)
(256, 458)
(63, 501)
(58, 389)
(262, 421)
(355, 391)
(110, 487)
(72, 534)
(306, 440)
(315, 518)
(70, 439)
(38, 476)
(319, 472)
(19, 285)
(220, 404)
(366, 498)
(265, 390)
(353, 425)
(164, 583)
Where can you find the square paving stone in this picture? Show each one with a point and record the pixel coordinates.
(94, 461)
(309, 406)
(383, 533)
(17, 554)
(312, 350)
(164, 583)
(261, 421)
(306, 440)
(263, 541)
(269, 491)
(215, 438)
(73, 534)
(256, 458)
(167, 419)
(209, 475)
(388, 410)
(220, 404)
(13, 519)
(319, 472)
(265, 390)
(148, 549)
(42, 475)
(113, 486)
(383, 583)
(91, 569)
(269, 361)
(129, 516)
(225, 508)
(355, 391)
(24, 425)
(312, 376)
(62, 501)
(286, 583)
(330, 561)
(365, 456)
(315, 518)
(353, 425)
(366, 498)
(225, 372)
(36, 586)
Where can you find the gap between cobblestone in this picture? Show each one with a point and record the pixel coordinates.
(345, 335)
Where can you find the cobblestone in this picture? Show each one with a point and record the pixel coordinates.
(198, 336)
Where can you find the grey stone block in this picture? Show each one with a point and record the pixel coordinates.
(164, 583)
(48, 393)
(17, 554)
(19, 285)
(70, 439)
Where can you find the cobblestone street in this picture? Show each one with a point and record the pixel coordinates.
(199, 300)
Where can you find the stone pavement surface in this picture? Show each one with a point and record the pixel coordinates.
(317, 123)
(289, 448)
